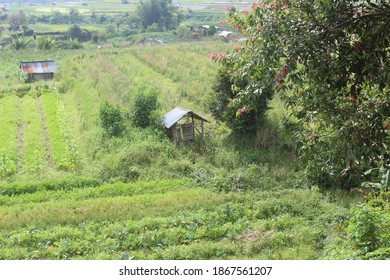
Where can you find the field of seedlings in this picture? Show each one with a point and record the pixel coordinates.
(36, 137)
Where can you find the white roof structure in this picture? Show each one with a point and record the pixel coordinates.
(225, 33)
(177, 114)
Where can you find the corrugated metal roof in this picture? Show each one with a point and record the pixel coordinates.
(225, 33)
(176, 114)
(38, 67)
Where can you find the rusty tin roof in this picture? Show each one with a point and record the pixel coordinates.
(38, 67)
(176, 114)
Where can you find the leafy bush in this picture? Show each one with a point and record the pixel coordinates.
(368, 229)
(27, 31)
(159, 12)
(111, 119)
(142, 111)
(118, 168)
(238, 119)
(7, 166)
(82, 35)
(19, 43)
(71, 44)
(45, 43)
(365, 228)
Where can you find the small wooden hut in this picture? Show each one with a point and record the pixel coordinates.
(38, 70)
(182, 124)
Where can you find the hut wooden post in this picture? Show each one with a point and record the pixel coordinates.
(193, 124)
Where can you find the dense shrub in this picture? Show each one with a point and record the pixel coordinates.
(117, 168)
(111, 119)
(19, 43)
(233, 114)
(82, 35)
(45, 43)
(329, 61)
(159, 12)
(368, 228)
(142, 111)
(71, 44)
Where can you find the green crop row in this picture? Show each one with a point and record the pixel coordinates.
(57, 145)
(9, 119)
(62, 142)
(71, 157)
(19, 188)
(93, 238)
(111, 208)
(187, 65)
(81, 189)
(140, 72)
(34, 152)
(181, 74)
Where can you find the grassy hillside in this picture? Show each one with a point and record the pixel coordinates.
(67, 191)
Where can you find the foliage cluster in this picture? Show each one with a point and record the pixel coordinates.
(368, 229)
(143, 110)
(111, 119)
(234, 114)
(19, 43)
(329, 61)
(45, 43)
(76, 33)
(159, 12)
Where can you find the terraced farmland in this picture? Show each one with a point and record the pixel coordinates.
(161, 220)
(36, 137)
(69, 191)
(45, 125)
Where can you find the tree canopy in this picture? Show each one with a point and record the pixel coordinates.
(160, 12)
(329, 61)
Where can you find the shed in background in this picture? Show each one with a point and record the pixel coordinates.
(38, 70)
(182, 124)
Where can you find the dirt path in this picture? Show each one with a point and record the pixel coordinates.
(49, 155)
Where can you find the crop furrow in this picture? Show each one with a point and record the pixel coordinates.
(45, 134)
